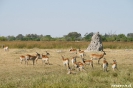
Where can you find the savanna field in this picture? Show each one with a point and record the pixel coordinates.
(13, 74)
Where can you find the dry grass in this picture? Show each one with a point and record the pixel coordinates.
(13, 74)
(63, 44)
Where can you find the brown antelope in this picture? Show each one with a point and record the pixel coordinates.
(105, 65)
(114, 65)
(81, 53)
(32, 57)
(97, 56)
(6, 48)
(22, 58)
(88, 62)
(79, 66)
(73, 60)
(73, 50)
(65, 61)
(45, 58)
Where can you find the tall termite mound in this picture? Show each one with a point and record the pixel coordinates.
(96, 43)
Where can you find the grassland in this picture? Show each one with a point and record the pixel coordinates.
(13, 74)
(63, 44)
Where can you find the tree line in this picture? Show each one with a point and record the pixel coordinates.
(72, 36)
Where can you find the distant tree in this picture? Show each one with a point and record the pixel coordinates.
(130, 35)
(11, 38)
(46, 38)
(19, 37)
(121, 37)
(32, 37)
(2, 38)
(73, 36)
(87, 36)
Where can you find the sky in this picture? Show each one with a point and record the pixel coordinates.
(60, 17)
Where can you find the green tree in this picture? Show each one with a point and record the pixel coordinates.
(19, 37)
(2, 38)
(46, 38)
(87, 36)
(121, 37)
(11, 38)
(130, 35)
(73, 36)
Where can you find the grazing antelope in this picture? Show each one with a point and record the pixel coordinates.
(114, 65)
(105, 65)
(79, 66)
(65, 61)
(88, 62)
(22, 58)
(97, 56)
(5, 48)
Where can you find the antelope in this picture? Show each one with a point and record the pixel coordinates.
(88, 62)
(22, 58)
(44, 58)
(32, 57)
(5, 48)
(81, 53)
(97, 56)
(105, 65)
(73, 60)
(73, 50)
(79, 66)
(114, 65)
(65, 61)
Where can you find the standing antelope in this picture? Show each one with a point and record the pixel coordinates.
(73, 50)
(45, 58)
(22, 58)
(81, 53)
(65, 61)
(88, 62)
(105, 65)
(73, 60)
(114, 65)
(97, 56)
(5, 48)
(32, 57)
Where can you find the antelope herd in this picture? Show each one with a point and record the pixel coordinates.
(79, 65)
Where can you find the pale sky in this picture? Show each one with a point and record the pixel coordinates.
(60, 17)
